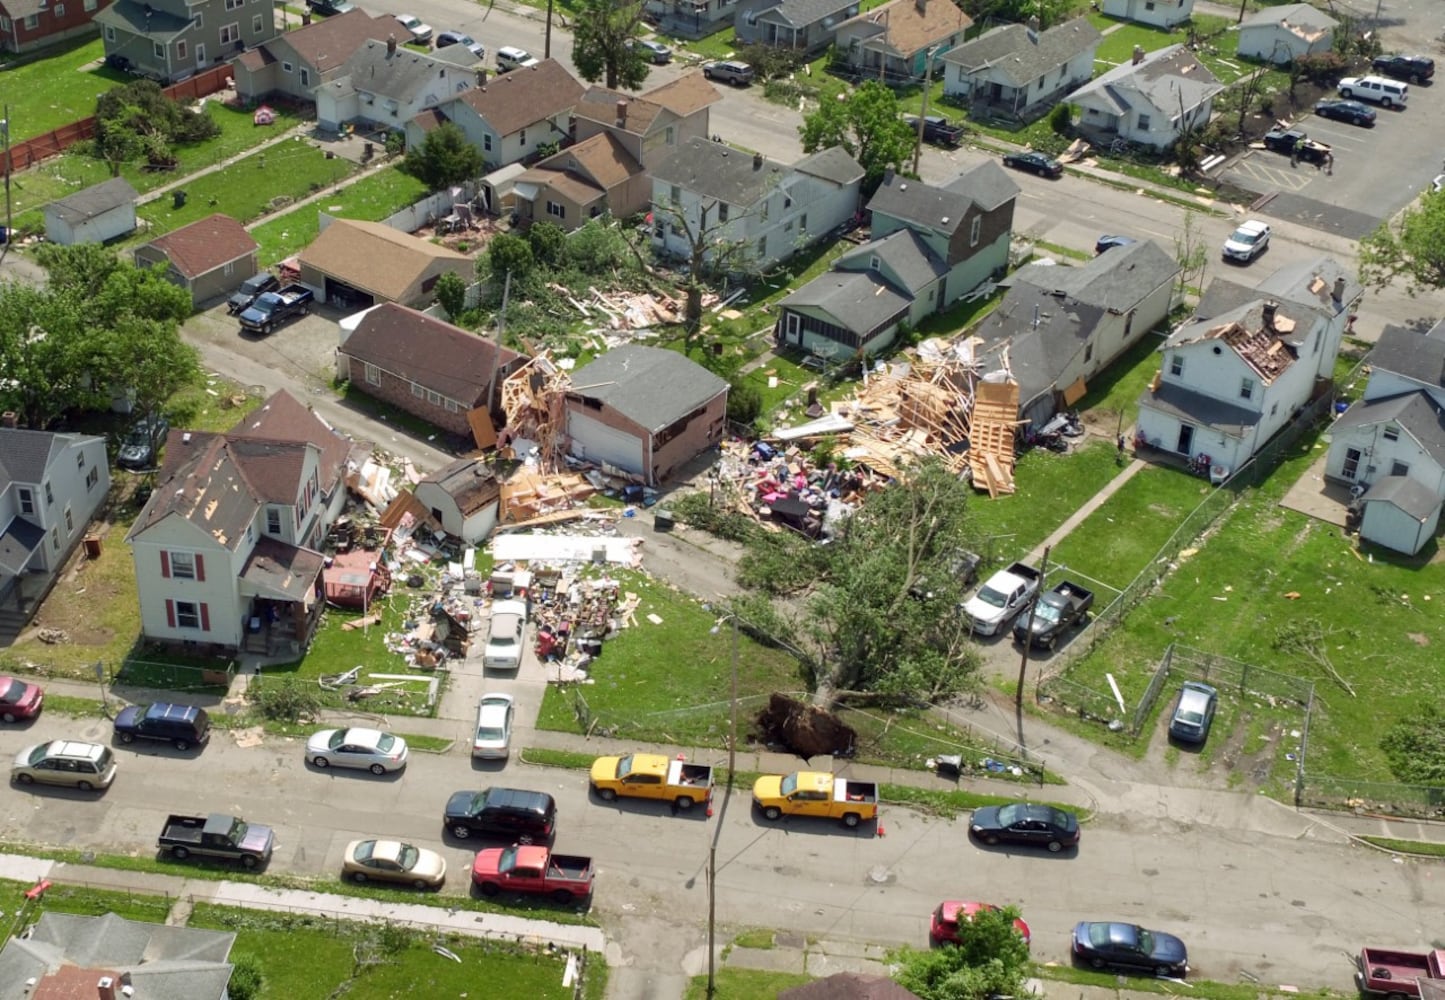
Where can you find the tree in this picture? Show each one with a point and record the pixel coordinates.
(601, 32)
(508, 254)
(714, 241)
(1049, 12)
(452, 294)
(445, 157)
(1413, 248)
(867, 124)
(138, 118)
(989, 960)
(1191, 253)
(548, 243)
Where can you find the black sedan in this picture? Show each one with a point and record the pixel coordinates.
(1346, 111)
(1110, 242)
(1034, 163)
(1026, 823)
(1105, 945)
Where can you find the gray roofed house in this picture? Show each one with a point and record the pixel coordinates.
(1400, 513)
(95, 214)
(67, 955)
(831, 164)
(1410, 355)
(1419, 416)
(805, 26)
(463, 498)
(1149, 101)
(644, 411)
(1019, 70)
(170, 40)
(389, 84)
(915, 202)
(857, 301)
(1283, 34)
(1199, 409)
(714, 170)
(902, 255)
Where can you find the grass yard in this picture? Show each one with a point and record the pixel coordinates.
(58, 89)
(746, 984)
(88, 902)
(370, 199)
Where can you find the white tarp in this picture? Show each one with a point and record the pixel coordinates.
(831, 424)
(566, 548)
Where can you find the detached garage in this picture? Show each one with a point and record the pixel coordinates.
(644, 411)
(103, 212)
(1399, 514)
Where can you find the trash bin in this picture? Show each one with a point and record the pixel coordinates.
(662, 520)
(178, 198)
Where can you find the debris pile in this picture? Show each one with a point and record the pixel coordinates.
(783, 488)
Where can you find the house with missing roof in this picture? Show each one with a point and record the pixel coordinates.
(1017, 70)
(930, 247)
(1150, 100)
(34, 24)
(296, 62)
(101, 212)
(760, 210)
(1389, 446)
(1280, 35)
(441, 373)
(209, 258)
(369, 262)
(387, 84)
(896, 40)
(1059, 327)
(650, 126)
(508, 116)
(65, 955)
(226, 550)
(806, 26)
(170, 40)
(644, 411)
(1160, 13)
(51, 486)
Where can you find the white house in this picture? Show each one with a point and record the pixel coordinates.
(710, 191)
(96, 214)
(1016, 68)
(51, 485)
(388, 85)
(226, 549)
(1151, 99)
(1229, 383)
(1281, 35)
(1160, 13)
(462, 497)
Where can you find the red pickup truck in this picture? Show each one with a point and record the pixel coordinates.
(1394, 974)
(533, 869)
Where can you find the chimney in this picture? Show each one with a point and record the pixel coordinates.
(1138, 54)
(1268, 317)
(1339, 293)
(9, 419)
(391, 45)
(621, 113)
(757, 161)
(481, 76)
(106, 988)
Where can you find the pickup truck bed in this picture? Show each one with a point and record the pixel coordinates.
(1387, 973)
(569, 866)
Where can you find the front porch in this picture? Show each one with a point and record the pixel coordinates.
(282, 595)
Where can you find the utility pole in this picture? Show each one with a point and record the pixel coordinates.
(727, 793)
(923, 117)
(1029, 629)
(9, 223)
(547, 38)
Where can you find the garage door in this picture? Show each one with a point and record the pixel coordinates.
(596, 442)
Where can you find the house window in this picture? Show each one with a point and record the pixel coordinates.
(235, 4)
(1246, 388)
(676, 194)
(668, 135)
(1144, 122)
(1274, 409)
(188, 615)
(373, 375)
(487, 141)
(763, 248)
(159, 49)
(803, 223)
(1399, 469)
(32, 21)
(787, 202)
(256, 24)
(286, 67)
(305, 77)
(183, 565)
(1088, 352)
(450, 405)
(1176, 366)
(1392, 433)
(59, 11)
(230, 33)
(181, 50)
(434, 398)
(273, 521)
(765, 210)
(975, 230)
(80, 460)
(418, 391)
(27, 501)
(199, 21)
(91, 4)
(109, 33)
(55, 539)
(792, 324)
(91, 478)
(49, 494)
(722, 211)
(1149, 6)
(522, 137)
(874, 264)
(69, 520)
(560, 211)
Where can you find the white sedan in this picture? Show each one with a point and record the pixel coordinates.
(370, 749)
(419, 32)
(504, 636)
(494, 727)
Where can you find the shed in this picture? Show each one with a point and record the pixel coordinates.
(1281, 35)
(209, 258)
(1400, 514)
(97, 214)
(463, 498)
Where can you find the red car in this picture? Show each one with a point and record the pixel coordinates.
(19, 699)
(944, 923)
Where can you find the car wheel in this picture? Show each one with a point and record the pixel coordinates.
(180, 853)
(182, 744)
(1164, 972)
(1386, 102)
(607, 794)
(377, 769)
(1346, 92)
(706, 73)
(358, 877)
(9, 716)
(25, 779)
(490, 888)
(684, 803)
(84, 786)
(127, 737)
(248, 861)
(461, 832)
(1055, 847)
(1097, 963)
(420, 883)
(562, 895)
(851, 820)
(320, 762)
(772, 813)
(991, 840)
(1053, 643)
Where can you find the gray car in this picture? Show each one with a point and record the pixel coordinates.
(1193, 712)
(139, 448)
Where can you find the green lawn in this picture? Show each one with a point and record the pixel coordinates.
(88, 902)
(746, 984)
(57, 89)
(370, 199)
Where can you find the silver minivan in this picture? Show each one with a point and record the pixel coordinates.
(65, 762)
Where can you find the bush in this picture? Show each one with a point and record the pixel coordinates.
(1061, 119)
(769, 61)
(287, 699)
(1324, 69)
(745, 402)
(246, 978)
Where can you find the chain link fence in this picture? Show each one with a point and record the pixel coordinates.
(208, 678)
(1324, 791)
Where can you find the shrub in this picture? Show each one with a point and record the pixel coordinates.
(745, 402)
(246, 978)
(285, 699)
(1325, 69)
(1061, 119)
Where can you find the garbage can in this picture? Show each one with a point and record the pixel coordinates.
(178, 198)
(662, 520)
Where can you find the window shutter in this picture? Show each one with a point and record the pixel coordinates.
(205, 617)
(166, 565)
(170, 613)
(200, 568)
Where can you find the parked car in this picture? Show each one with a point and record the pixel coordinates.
(393, 861)
(19, 699)
(65, 762)
(739, 74)
(1352, 112)
(183, 726)
(937, 130)
(1416, 69)
(1386, 93)
(510, 57)
(503, 650)
(371, 749)
(1034, 163)
(494, 727)
(1027, 823)
(419, 31)
(1247, 242)
(652, 51)
(142, 443)
(951, 916)
(1193, 712)
(449, 38)
(513, 814)
(218, 835)
(1110, 242)
(251, 289)
(962, 566)
(1106, 945)
(329, 7)
(567, 878)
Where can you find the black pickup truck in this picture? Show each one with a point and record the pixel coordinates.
(1294, 142)
(217, 836)
(251, 289)
(274, 308)
(1055, 612)
(937, 130)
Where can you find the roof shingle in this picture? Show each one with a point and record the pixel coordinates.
(448, 360)
(205, 245)
(510, 102)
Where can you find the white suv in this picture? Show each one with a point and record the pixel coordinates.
(1386, 93)
(511, 57)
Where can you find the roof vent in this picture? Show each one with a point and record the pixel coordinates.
(945, 220)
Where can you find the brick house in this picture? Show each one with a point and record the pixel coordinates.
(33, 24)
(428, 368)
(209, 258)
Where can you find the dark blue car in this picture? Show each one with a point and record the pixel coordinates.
(1352, 112)
(1130, 947)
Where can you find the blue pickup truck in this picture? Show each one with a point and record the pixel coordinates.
(274, 308)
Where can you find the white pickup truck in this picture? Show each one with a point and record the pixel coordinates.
(999, 601)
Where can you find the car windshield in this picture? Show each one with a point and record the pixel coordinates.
(1046, 612)
(1146, 942)
(1009, 815)
(789, 785)
(508, 860)
(1245, 236)
(13, 692)
(386, 742)
(407, 857)
(1194, 718)
(38, 754)
(624, 766)
(337, 738)
(992, 597)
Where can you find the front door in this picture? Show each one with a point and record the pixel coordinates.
(1186, 439)
(200, 55)
(1351, 467)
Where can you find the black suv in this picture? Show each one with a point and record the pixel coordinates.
(183, 726)
(1416, 69)
(511, 814)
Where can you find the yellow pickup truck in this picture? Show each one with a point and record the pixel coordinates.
(652, 776)
(816, 793)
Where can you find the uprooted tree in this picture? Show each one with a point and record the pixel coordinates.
(138, 119)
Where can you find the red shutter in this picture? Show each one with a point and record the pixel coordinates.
(166, 564)
(200, 568)
(170, 612)
(205, 617)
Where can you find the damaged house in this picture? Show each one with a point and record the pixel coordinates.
(462, 497)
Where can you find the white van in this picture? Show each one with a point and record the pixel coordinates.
(1386, 93)
(511, 57)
